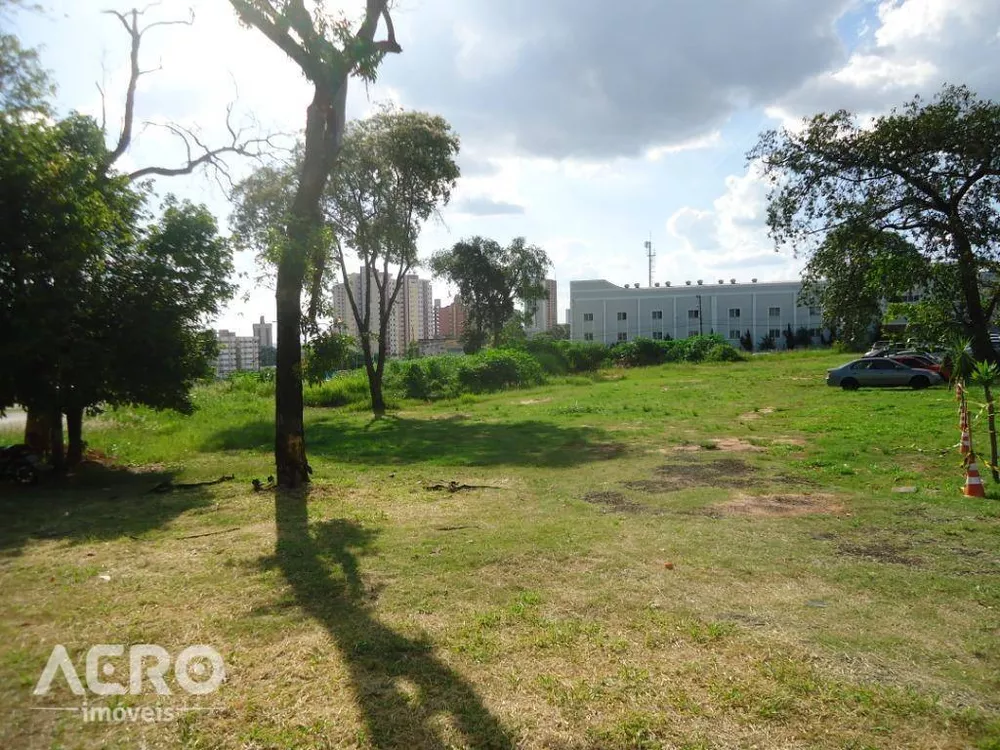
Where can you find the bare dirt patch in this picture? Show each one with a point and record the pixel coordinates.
(880, 552)
(725, 472)
(613, 502)
(531, 401)
(758, 413)
(729, 444)
(779, 506)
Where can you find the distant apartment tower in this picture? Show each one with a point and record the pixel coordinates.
(417, 312)
(410, 319)
(451, 320)
(436, 333)
(236, 353)
(263, 333)
(546, 311)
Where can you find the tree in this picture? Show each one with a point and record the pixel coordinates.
(327, 352)
(987, 375)
(803, 339)
(767, 343)
(789, 335)
(60, 214)
(395, 170)
(560, 332)
(95, 308)
(491, 280)
(25, 81)
(926, 177)
(746, 341)
(327, 52)
(268, 356)
(24, 85)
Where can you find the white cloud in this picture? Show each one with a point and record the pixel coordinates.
(918, 46)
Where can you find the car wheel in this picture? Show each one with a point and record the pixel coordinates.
(849, 384)
(918, 382)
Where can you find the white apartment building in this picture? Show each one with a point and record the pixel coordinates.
(411, 318)
(604, 312)
(236, 353)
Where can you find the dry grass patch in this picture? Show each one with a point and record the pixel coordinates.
(757, 413)
(780, 506)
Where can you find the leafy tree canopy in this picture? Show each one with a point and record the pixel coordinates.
(491, 279)
(924, 179)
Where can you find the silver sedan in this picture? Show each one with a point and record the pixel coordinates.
(880, 372)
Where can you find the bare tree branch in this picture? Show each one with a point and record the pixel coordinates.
(135, 32)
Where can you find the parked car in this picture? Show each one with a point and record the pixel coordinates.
(924, 362)
(880, 372)
(883, 349)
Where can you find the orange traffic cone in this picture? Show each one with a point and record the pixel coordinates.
(973, 482)
(966, 445)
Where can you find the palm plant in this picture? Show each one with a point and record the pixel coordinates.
(987, 375)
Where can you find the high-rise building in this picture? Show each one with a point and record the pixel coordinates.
(236, 353)
(545, 312)
(410, 319)
(451, 320)
(263, 333)
(436, 332)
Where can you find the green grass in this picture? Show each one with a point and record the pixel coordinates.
(539, 611)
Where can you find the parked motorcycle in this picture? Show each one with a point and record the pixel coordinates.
(18, 463)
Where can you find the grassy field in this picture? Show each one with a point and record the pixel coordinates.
(709, 556)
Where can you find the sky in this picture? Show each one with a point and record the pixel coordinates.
(588, 127)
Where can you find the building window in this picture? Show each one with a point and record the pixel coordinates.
(813, 310)
(734, 312)
(622, 316)
(734, 333)
(657, 314)
(588, 336)
(692, 315)
(658, 335)
(588, 317)
(774, 333)
(774, 312)
(814, 332)
(622, 335)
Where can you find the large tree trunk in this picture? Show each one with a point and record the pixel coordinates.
(37, 429)
(375, 389)
(968, 270)
(289, 430)
(56, 457)
(324, 132)
(74, 435)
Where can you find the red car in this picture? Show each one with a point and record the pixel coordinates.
(915, 360)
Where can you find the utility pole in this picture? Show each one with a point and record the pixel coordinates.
(701, 327)
(650, 255)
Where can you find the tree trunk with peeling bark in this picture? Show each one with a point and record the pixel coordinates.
(291, 27)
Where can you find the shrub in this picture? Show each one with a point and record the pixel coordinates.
(550, 355)
(767, 343)
(427, 378)
(723, 353)
(498, 369)
(583, 356)
(341, 390)
(256, 383)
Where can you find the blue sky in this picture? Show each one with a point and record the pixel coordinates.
(587, 126)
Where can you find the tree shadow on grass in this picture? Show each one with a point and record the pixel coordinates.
(405, 693)
(453, 442)
(96, 503)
